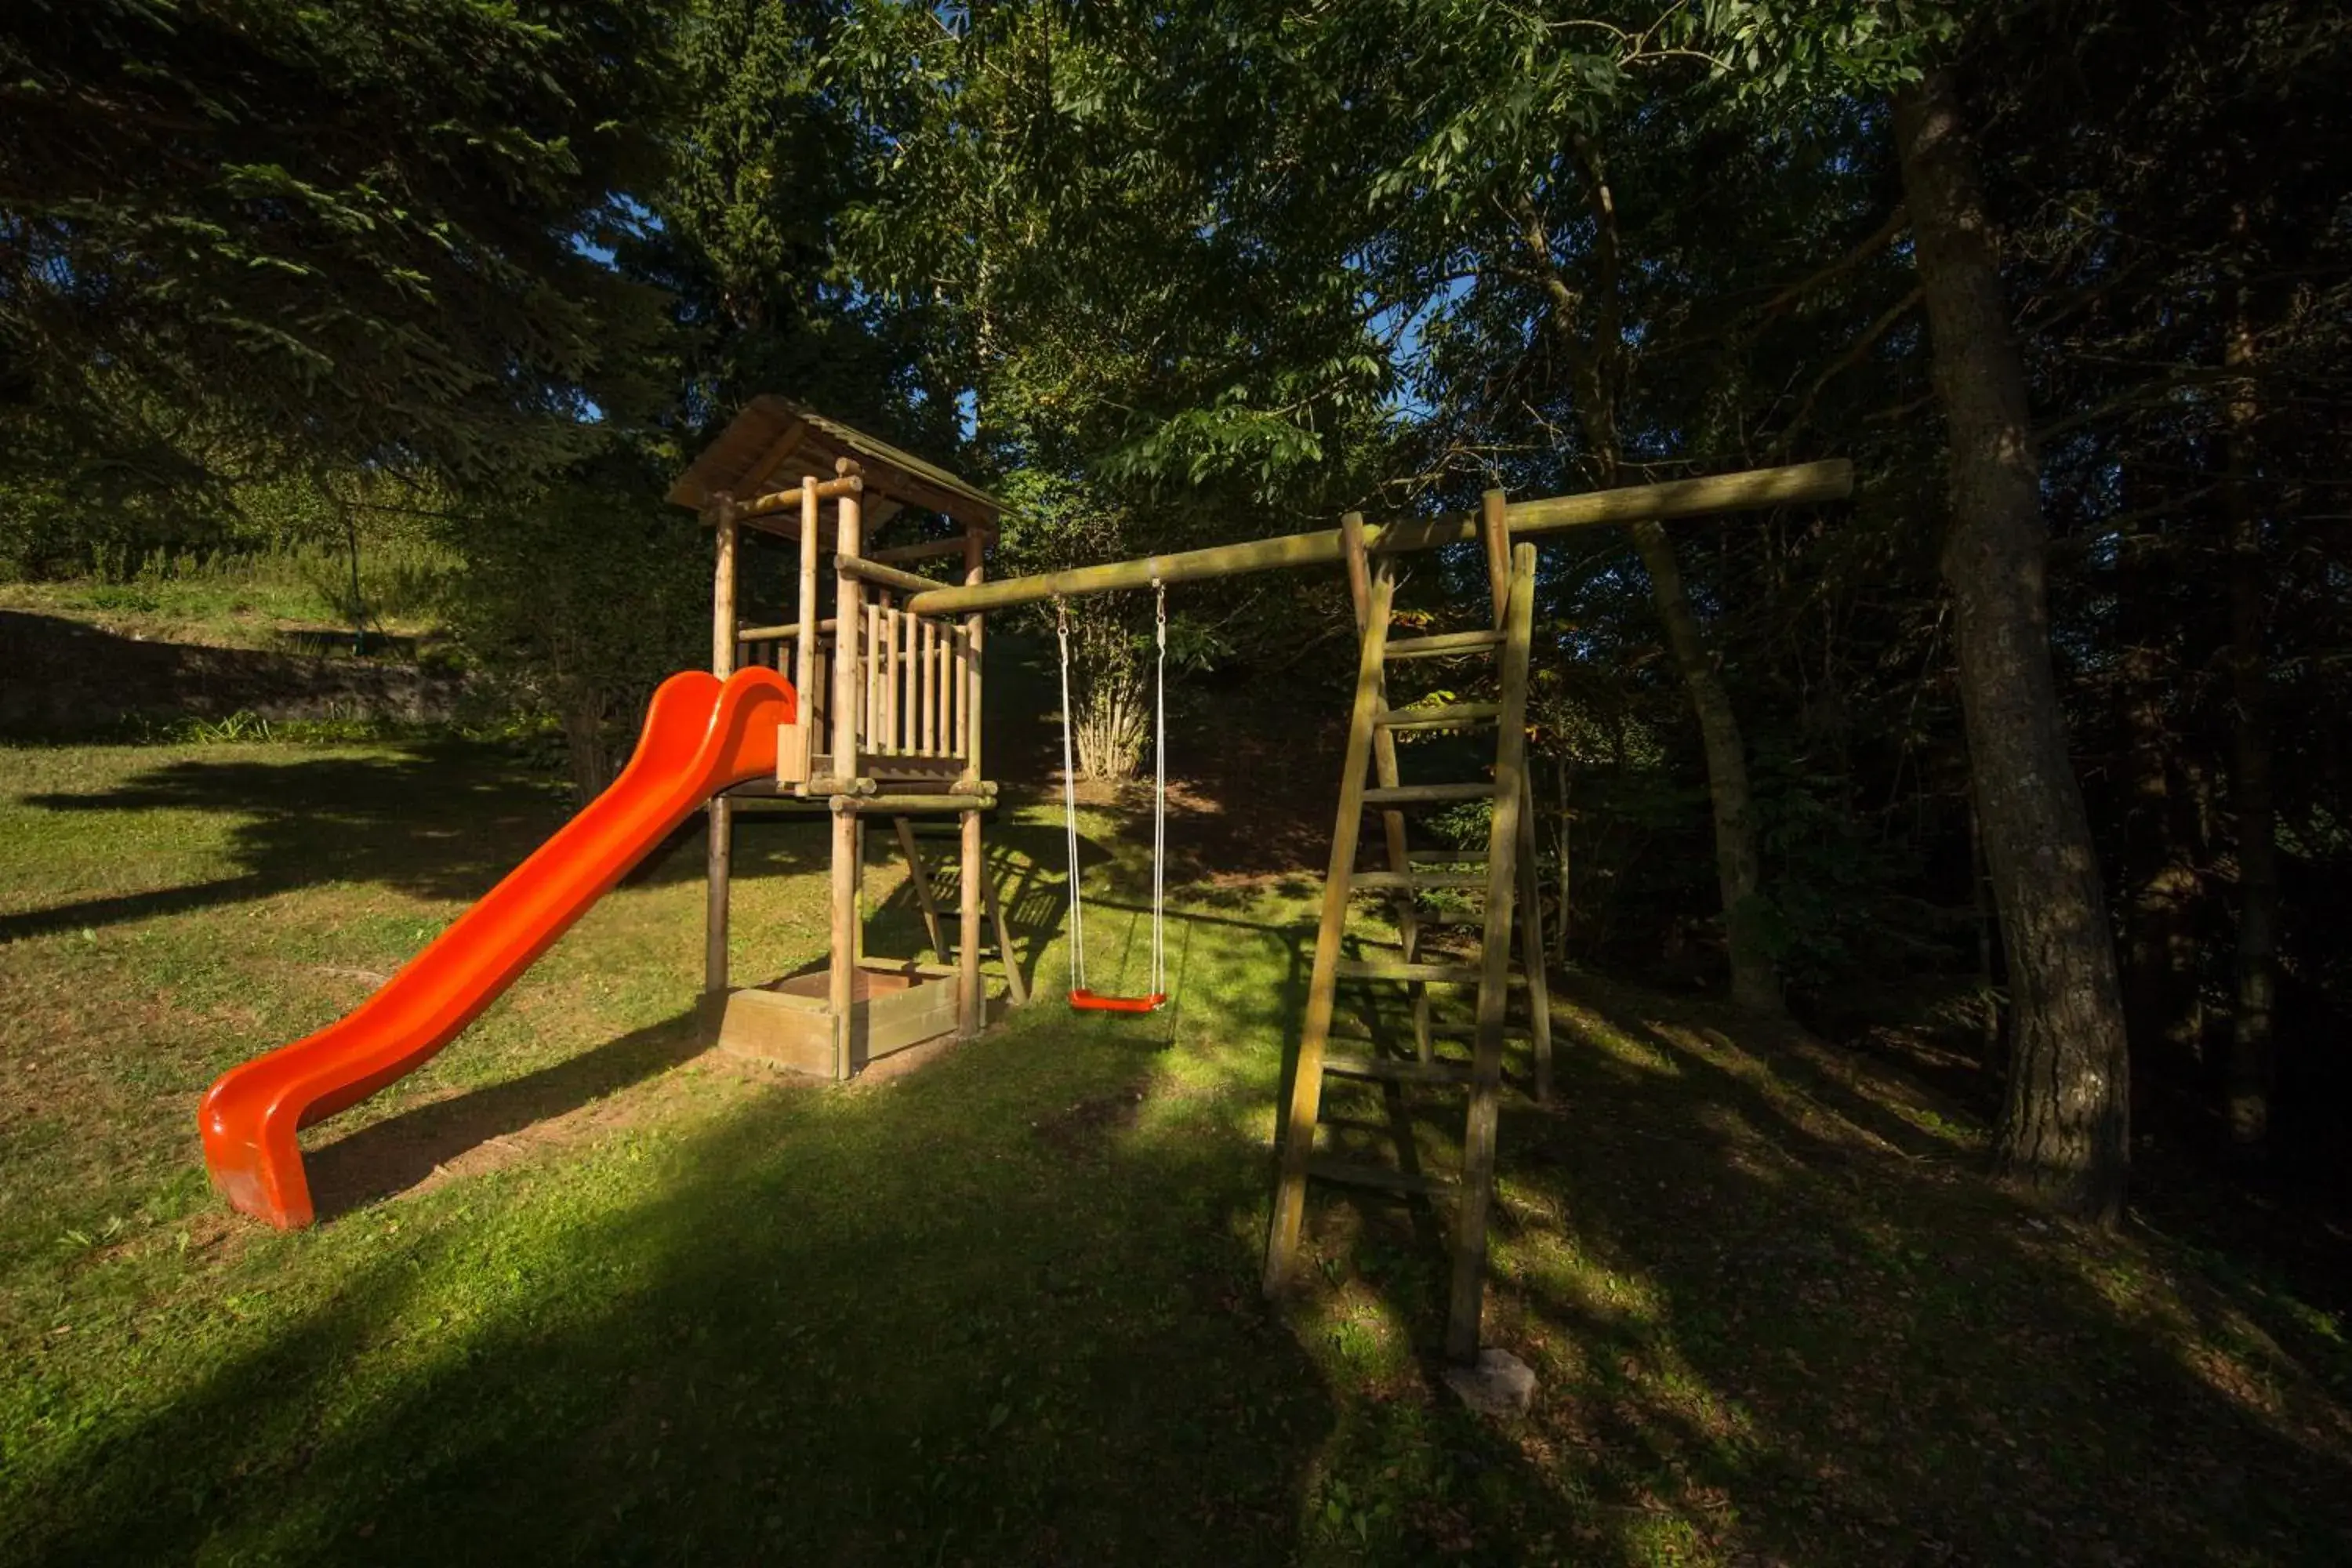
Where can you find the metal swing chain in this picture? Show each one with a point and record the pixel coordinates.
(1159, 793)
(1070, 805)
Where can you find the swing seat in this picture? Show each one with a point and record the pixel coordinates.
(1085, 1001)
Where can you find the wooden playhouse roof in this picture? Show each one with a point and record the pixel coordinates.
(773, 441)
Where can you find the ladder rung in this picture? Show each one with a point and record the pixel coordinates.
(1324, 1167)
(1445, 1030)
(1444, 644)
(1413, 881)
(1428, 794)
(1439, 718)
(1390, 969)
(1397, 1069)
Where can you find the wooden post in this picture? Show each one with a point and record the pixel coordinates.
(970, 1000)
(1495, 533)
(848, 672)
(921, 874)
(716, 865)
(1015, 986)
(722, 591)
(804, 642)
(1306, 1080)
(1533, 949)
(1502, 868)
(1384, 765)
(841, 975)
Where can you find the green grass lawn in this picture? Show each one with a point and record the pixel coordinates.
(588, 1294)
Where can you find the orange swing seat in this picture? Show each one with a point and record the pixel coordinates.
(1085, 1001)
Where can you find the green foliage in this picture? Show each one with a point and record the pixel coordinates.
(255, 234)
(579, 596)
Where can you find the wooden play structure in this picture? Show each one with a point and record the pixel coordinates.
(891, 673)
(891, 701)
(868, 704)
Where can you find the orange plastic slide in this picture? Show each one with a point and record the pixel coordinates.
(700, 737)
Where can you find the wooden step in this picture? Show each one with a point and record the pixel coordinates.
(1392, 969)
(1428, 794)
(1445, 645)
(1439, 1029)
(1397, 1069)
(1330, 1168)
(1414, 881)
(1448, 716)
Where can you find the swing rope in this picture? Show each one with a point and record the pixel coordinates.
(1080, 996)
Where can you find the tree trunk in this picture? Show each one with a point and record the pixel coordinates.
(1738, 864)
(1562, 837)
(2252, 1062)
(2162, 884)
(585, 744)
(2064, 1133)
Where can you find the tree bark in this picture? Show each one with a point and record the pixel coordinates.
(2253, 1065)
(2064, 1132)
(2162, 881)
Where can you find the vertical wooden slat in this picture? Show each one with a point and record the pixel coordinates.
(904, 689)
(935, 708)
(918, 653)
(807, 684)
(962, 698)
(878, 678)
(934, 684)
(1307, 1080)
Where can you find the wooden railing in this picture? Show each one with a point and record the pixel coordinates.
(918, 678)
(916, 683)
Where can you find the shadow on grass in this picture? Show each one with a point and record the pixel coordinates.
(393, 1155)
(432, 820)
(1005, 1310)
(1000, 1311)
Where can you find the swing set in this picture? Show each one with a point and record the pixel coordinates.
(1081, 998)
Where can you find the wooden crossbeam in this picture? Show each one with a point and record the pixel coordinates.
(1794, 485)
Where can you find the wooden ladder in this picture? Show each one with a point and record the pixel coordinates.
(1506, 882)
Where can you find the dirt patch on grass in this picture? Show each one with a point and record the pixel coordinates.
(1086, 1126)
(624, 1083)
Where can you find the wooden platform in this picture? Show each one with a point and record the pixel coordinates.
(786, 1022)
